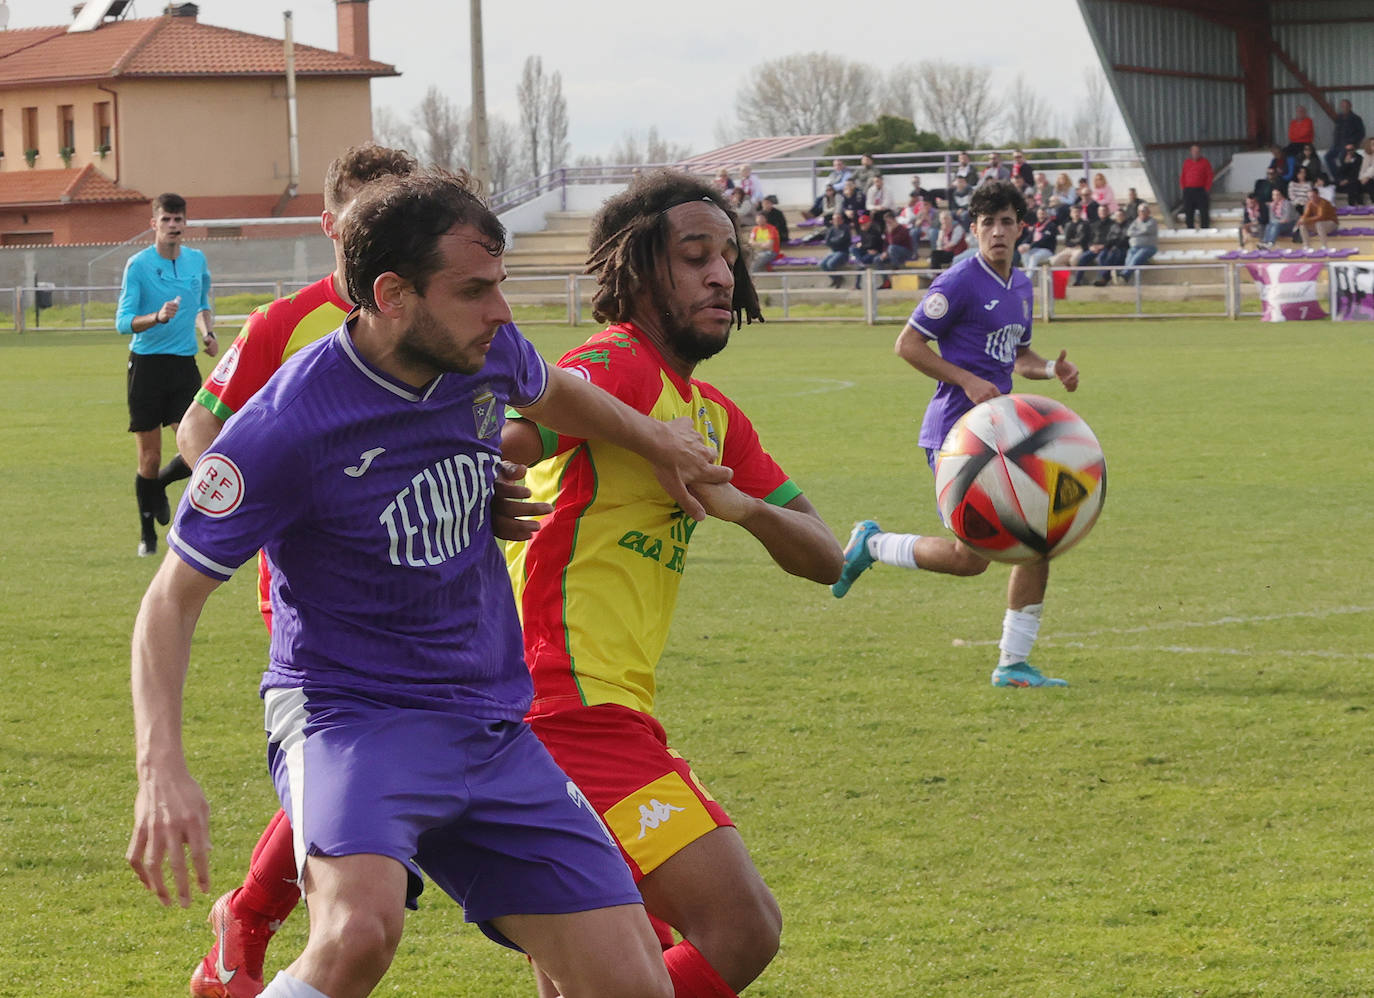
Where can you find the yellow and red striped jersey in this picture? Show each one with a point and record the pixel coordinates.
(597, 585)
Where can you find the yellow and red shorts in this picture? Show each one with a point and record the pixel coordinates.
(646, 793)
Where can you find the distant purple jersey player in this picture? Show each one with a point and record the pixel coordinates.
(978, 313)
(979, 320)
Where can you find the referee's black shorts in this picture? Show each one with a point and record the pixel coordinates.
(161, 387)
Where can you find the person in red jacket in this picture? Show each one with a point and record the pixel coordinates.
(1196, 180)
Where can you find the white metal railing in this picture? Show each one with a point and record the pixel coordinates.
(565, 299)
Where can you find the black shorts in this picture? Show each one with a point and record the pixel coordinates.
(161, 387)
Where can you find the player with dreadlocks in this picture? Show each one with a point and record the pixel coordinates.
(597, 584)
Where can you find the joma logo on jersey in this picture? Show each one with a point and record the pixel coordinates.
(1002, 344)
(653, 814)
(439, 513)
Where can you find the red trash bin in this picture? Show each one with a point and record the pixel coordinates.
(1061, 283)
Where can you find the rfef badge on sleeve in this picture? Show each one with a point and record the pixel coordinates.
(485, 414)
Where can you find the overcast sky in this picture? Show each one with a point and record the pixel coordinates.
(631, 64)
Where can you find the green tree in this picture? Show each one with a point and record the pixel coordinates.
(887, 135)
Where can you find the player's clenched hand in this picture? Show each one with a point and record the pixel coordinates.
(683, 458)
(979, 390)
(510, 514)
(1066, 371)
(170, 817)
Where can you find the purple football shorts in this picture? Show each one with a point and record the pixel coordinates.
(478, 805)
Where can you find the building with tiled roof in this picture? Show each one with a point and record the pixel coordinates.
(95, 122)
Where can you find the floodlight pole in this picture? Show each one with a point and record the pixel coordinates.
(481, 160)
(293, 148)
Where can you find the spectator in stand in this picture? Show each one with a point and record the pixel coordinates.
(1347, 175)
(1300, 189)
(1039, 242)
(872, 242)
(823, 207)
(876, 197)
(1318, 220)
(1196, 180)
(1271, 181)
(839, 175)
(1348, 130)
(1143, 235)
(1060, 210)
(1092, 211)
(1020, 168)
(739, 202)
(852, 202)
(839, 240)
(918, 217)
(1366, 176)
(763, 239)
(1282, 217)
(965, 168)
(1113, 242)
(1021, 188)
(864, 175)
(1042, 191)
(960, 196)
(899, 249)
(1301, 131)
(1074, 236)
(994, 170)
(775, 217)
(1282, 163)
(752, 189)
(951, 239)
(1254, 220)
(1064, 189)
(917, 191)
(723, 181)
(1103, 194)
(1132, 203)
(1308, 160)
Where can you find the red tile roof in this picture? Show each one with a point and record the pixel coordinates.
(84, 185)
(161, 47)
(753, 150)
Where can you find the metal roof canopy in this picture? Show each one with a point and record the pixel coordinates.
(1227, 74)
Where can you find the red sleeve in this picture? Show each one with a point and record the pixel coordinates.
(756, 473)
(251, 359)
(620, 366)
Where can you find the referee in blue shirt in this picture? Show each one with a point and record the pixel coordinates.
(163, 301)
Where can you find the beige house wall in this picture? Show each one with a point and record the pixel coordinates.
(221, 137)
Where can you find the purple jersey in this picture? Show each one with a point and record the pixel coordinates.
(372, 503)
(979, 321)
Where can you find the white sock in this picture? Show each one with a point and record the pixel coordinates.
(894, 549)
(286, 986)
(1019, 630)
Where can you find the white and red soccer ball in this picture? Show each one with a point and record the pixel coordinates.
(1020, 478)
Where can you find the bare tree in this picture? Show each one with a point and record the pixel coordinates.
(390, 129)
(957, 100)
(543, 117)
(503, 149)
(1027, 114)
(654, 149)
(807, 94)
(1092, 123)
(899, 94)
(442, 139)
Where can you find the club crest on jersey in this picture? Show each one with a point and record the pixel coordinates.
(224, 370)
(710, 428)
(485, 414)
(216, 487)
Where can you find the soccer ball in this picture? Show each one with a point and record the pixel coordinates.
(1020, 478)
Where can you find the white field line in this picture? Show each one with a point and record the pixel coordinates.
(1068, 640)
(826, 385)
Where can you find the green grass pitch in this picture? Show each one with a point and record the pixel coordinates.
(1191, 817)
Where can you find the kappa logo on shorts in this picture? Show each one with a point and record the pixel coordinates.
(654, 814)
(216, 487)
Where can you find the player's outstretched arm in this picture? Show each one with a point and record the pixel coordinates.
(915, 349)
(677, 451)
(795, 535)
(171, 816)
